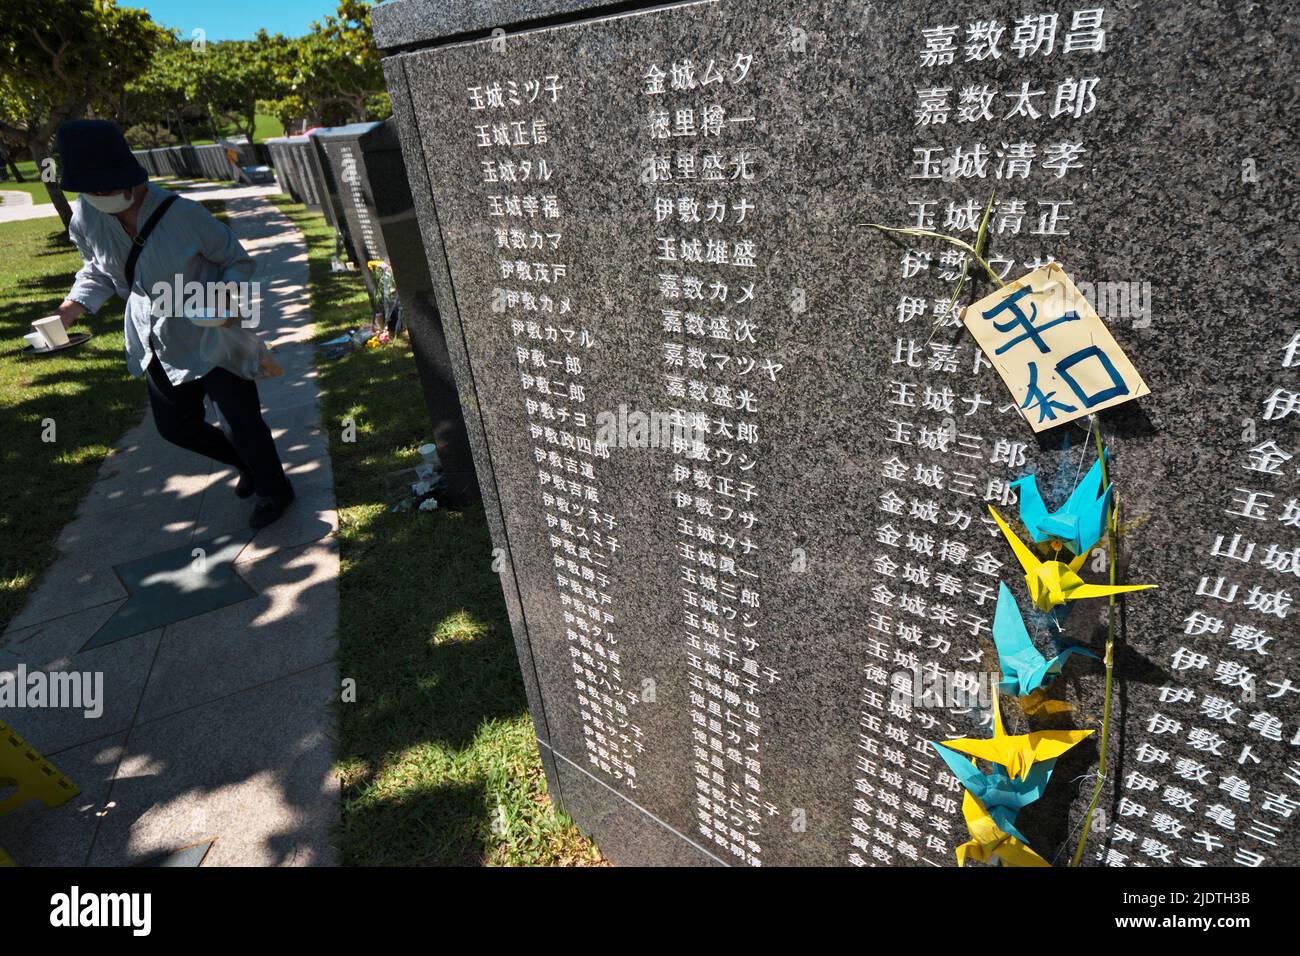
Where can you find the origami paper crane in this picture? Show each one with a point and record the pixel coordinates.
(1024, 668)
(988, 840)
(1052, 583)
(1079, 523)
(1001, 796)
(1039, 703)
(1018, 753)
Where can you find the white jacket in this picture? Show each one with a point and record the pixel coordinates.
(187, 242)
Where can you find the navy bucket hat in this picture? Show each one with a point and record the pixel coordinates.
(95, 158)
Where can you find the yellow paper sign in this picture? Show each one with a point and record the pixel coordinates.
(1052, 349)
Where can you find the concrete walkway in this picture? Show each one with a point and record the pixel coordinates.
(18, 205)
(217, 727)
(218, 189)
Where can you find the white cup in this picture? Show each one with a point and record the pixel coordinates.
(53, 330)
(36, 341)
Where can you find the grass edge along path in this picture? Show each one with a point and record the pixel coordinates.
(437, 756)
(31, 184)
(86, 393)
(61, 415)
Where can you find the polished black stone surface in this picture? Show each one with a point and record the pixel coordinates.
(423, 21)
(878, 445)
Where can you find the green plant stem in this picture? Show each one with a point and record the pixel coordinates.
(928, 234)
(1112, 543)
(981, 240)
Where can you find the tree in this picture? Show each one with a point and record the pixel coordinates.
(332, 74)
(228, 78)
(159, 96)
(150, 135)
(7, 162)
(59, 57)
(219, 83)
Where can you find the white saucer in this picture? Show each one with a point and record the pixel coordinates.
(207, 318)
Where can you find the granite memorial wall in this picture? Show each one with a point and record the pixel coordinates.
(298, 167)
(286, 172)
(199, 162)
(738, 449)
(353, 210)
(372, 198)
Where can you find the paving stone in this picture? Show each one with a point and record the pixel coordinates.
(254, 770)
(36, 835)
(117, 674)
(288, 627)
(175, 585)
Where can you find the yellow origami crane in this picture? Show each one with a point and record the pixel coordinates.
(1052, 583)
(1039, 702)
(1017, 753)
(987, 841)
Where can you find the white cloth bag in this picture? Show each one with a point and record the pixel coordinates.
(238, 350)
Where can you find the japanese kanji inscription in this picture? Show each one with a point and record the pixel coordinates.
(1052, 350)
(741, 453)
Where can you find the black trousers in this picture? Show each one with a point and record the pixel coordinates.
(180, 416)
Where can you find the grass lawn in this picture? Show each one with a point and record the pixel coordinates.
(265, 127)
(437, 755)
(86, 393)
(217, 208)
(214, 206)
(32, 184)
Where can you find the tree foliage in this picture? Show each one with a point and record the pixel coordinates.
(216, 84)
(328, 77)
(60, 57)
(332, 75)
(66, 59)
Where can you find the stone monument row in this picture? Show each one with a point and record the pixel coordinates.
(371, 200)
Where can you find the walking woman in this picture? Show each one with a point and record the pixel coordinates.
(133, 235)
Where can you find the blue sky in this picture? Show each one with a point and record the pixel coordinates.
(236, 19)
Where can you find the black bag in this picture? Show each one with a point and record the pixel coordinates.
(137, 246)
(141, 235)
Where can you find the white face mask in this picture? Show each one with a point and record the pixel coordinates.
(110, 204)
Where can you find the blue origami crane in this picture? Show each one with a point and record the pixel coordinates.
(1003, 796)
(1079, 523)
(1024, 668)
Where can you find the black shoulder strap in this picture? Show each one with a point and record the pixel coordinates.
(137, 244)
